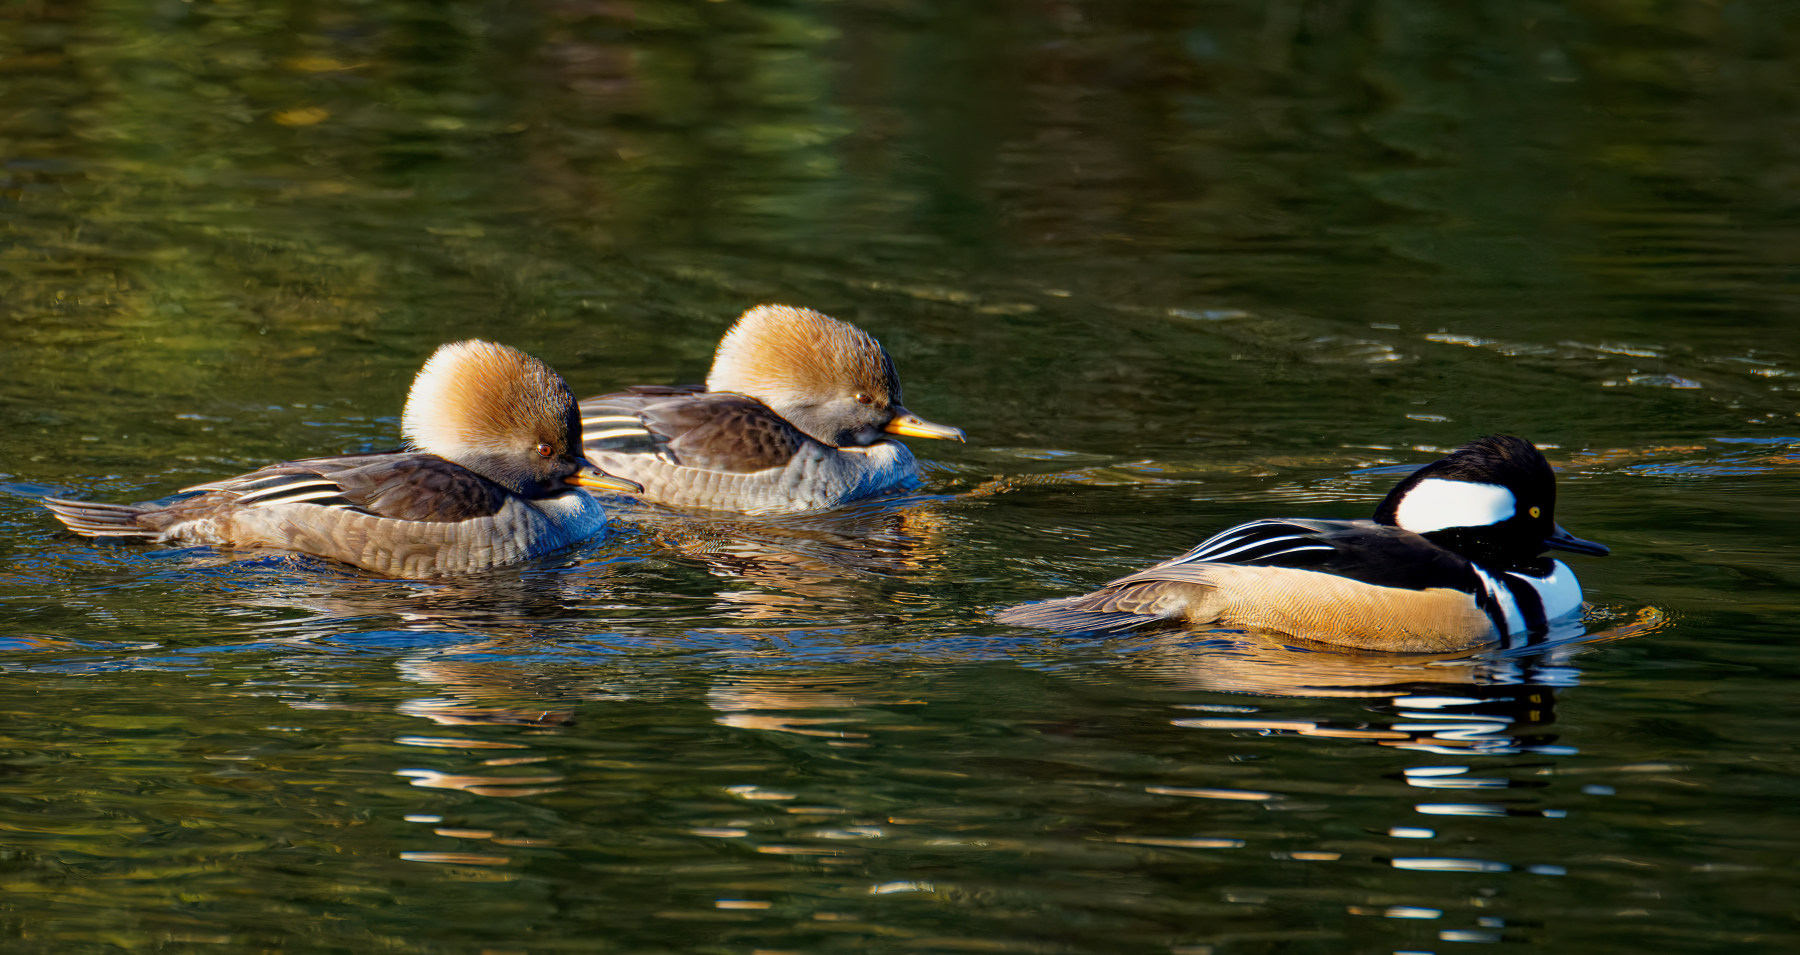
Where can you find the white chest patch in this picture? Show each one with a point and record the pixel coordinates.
(1559, 590)
(575, 512)
(1509, 608)
(1434, 504)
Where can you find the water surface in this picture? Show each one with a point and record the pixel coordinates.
(1170, 268)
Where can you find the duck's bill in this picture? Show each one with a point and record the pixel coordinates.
(1563, 540)
(592, 477)
(912, 426)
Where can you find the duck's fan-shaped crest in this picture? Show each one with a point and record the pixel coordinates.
(480, 397)
(1480, 483)
(780, 350)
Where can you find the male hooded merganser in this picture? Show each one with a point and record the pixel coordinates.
(494, 477)
(793, 418)
(1450, 561)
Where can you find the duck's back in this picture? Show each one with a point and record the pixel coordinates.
(403, 514)
(1347, 583)
(723, 451)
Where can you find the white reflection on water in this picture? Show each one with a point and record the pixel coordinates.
(1424, 864)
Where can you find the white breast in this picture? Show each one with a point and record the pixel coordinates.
(1559, 590)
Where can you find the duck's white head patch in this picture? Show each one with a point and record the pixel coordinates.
(1435, 504)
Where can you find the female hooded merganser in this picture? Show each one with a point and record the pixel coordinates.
(793, 418)
(1450, 561)
(495, 477)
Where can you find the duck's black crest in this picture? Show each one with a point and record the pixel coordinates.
(1502, 459)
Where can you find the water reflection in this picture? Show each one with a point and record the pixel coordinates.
(1494, 701)
(801, 567)
(798, 571)
(871, 797)
(1191, 263)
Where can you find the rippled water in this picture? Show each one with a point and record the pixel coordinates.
(1171, 269)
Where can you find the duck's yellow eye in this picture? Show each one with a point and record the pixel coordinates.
(545, 450)
(865, 398)
(1537, 512)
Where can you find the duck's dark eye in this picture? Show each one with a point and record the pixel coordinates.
(545, 450)
(1536, 512)
(865, 398)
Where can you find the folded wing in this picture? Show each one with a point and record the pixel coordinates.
(714, 431)
(400, 486)
(1354, 583)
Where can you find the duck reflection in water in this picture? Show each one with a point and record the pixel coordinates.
(572, 596)
(799, 566)
(778, 568)
(831, 706)
(785, 575)
(1492, 701)
(474, 692)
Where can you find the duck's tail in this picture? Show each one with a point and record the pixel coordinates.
(101, 520)
(1073, 615)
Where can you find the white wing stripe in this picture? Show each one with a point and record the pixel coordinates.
(629, 419)
(1208, 547)
(612, 433)
(1238, 531)
(292, 486)
(237, 483)
(1297, 550)
(1239, 539)
(1252, 546)
(308, 496)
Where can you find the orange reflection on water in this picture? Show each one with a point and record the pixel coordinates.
(787, 724)
(448, 712)
(737, 695)
(1241, 794)
(482, 785)
(783, 693)
(1181, 843)
(758, 793)
(801, 851)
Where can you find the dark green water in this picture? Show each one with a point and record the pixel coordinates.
(1171, 267)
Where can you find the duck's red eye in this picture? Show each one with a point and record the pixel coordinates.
(545, 450)
(865, 399)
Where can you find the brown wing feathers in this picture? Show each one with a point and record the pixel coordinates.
(712, 431)
(403, 486)
(420, 487)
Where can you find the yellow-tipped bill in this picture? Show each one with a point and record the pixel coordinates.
(912, 426)
(590, 476)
